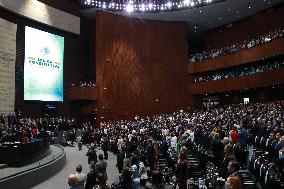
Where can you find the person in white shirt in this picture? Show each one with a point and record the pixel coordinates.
(174, 142)
(120, 143)
(81, 177)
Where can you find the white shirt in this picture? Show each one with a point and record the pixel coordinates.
(81, 176)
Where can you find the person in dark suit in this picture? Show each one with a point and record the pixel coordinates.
(92, 155)
(104, 147)
(119, 163)
(91, 180)
(182, 171)
(101, 167)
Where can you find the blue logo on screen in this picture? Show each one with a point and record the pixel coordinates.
(45, 51)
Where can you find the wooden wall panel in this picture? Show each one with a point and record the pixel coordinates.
(76, 59)
(260, 80)
(249, 27)
(261, 52)
(81, 93)
(141, 66)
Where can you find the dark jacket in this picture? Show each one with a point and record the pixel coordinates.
(91, 179)
(92, 156)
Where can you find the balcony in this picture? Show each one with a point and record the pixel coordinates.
(261, 52)
(274, 77)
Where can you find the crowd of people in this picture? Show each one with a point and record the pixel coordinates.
(16, 128)
(140, 143)
(244, 71)
(247, 44)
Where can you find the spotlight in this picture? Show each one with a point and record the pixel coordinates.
(143, 7)
(169, 4)
(186, 2)
(129, 8)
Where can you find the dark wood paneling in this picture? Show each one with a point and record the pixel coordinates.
(141, 66)
(260, 80)
(81, 93)
(253, 26)
(264, 51)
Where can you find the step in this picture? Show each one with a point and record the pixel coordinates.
(3, 166)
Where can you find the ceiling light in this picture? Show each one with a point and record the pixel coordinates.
(169, 4)
(143, 7)
(129, 8)
(186, 2)
(164, 5)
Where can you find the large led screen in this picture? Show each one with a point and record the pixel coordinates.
(43, 69)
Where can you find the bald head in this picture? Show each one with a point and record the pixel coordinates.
(72, 180)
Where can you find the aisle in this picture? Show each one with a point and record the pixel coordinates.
(74, 158)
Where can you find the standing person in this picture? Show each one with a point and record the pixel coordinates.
(72, 136)
(234, 134)
(72, 182)
(135, 177)
(104, 147)
(80, 176)
(157, 180)
(242, 135)
(91, 180)
(182, 171)
(64, 139)
(101, 166)
(92, 155)
(174, 142)
(233, 182)
(250, 146)
(119, 143)
(150, 154)
(119, 162)
(80, 145)
(142, 174)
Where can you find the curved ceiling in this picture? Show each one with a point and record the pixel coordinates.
(204, 18)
